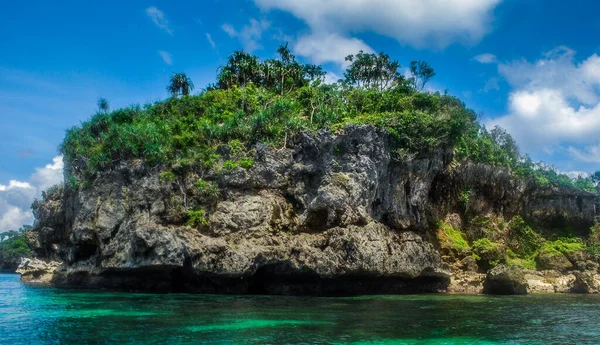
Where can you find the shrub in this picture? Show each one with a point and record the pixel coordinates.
(340, 179)
(595, 234)
(562, 246)
(208, 189)
(452, 239)
(489, 253)
(196, 218)
(230, 165)
(246, 163)
(522, 239)
(14, 248)
(167, 176)
(464, 197)
(514, 260)
(594, 251)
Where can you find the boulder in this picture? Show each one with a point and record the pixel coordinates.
(586, 282)
(505, 280)
(554, 261)
(37, 271)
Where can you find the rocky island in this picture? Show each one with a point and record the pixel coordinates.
(272, 182)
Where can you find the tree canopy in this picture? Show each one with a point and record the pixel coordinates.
(271, 100)
(180, 84)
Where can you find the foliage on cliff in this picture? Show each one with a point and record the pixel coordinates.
(13, 245)
(272, 100)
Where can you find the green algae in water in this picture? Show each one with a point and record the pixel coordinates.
(42, 315)
(234, 325)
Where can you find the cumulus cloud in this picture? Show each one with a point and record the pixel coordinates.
(555, 102)
(159, 18)
(420, 23)
(329, 48)
(250, 35)
(167, 57)
(331, 78)
(17, 196)
(486, 58)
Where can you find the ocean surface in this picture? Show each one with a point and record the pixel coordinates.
(42, 315)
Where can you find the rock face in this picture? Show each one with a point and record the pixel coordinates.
(504, 280)
(586, 282)
(37, 271)
(331, 214)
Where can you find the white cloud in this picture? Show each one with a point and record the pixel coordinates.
(17, 196)
(420, 23)
(331, 78)
(589, 154)
(491, 85)
(159, 18)
(575, 173)
(167, 57)
(210, 40)
(14, 184)
(555, 102)
(12, 218)
(250, 35)
(329, 48)
(486, 58)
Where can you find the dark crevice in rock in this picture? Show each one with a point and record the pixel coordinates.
(273, 279)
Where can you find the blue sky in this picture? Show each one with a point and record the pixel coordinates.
(530, 66)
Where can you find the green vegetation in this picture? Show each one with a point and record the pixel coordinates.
(272, 100)
(562, 246)
(514, 260)
(523, 241)
(196, 218)
(488, 253)
(464, 197)
(208, 189)
(14, 245)
(266, 101)
(167, 176)
(452, 239)
(517, 244)
(103, 105)
(180, 84)
(340, 179)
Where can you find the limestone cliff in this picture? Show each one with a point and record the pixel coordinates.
(330, 213)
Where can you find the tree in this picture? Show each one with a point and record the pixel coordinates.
(373, 71)
(180, 84)
(421, 72)
(240, 69)
(596, 177)
(508, 144)
(103, 105)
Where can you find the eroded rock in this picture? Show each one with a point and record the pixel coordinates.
(505, 280)
(37, 271)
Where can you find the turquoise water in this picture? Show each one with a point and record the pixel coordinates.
(43, 315)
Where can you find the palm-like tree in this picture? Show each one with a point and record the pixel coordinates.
(103, 105)
(180, 84)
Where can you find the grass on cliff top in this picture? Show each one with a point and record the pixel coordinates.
(272, 100)
(187, 130)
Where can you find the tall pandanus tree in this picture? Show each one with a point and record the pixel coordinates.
(241, 68)
(180, 84)
(103, 105)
